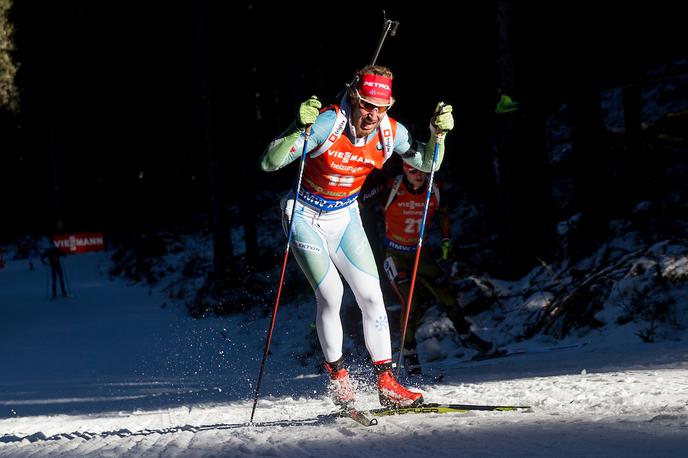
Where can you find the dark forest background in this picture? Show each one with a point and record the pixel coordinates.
(142, 115)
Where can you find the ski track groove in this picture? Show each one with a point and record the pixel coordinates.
(145, 446)
(181, 449)
(221, 441)
(78, 442)
(576, 399)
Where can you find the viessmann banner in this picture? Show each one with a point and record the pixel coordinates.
(80, 242)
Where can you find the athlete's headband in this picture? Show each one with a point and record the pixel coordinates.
(377, 86)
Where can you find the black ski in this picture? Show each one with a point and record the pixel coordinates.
(443, 408)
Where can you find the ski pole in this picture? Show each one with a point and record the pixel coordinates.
(66, 278)
(284, 268)
(388, 27)
(438, 137)
(47, 282)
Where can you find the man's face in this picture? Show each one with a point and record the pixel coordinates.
(367, 114)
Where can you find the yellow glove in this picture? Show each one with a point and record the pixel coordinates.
(446, 249)
(308, 111)
(443, 120)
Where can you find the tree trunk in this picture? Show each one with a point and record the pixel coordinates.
(223, 262)
(590, 167)
(504, 140)
(249, 120)
(54, 172)
(635, 167)
(519, 162)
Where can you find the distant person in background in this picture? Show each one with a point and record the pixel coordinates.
(26, 249)
(403, 199)
(53, 256)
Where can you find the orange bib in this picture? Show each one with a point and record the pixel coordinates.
(404, 217)
(333, 175)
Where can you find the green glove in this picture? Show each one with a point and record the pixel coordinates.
(308, 111)
(443, 120)
(446, 249)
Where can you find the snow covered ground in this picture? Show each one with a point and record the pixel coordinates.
(110, 372)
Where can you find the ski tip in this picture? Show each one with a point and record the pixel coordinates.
(358, 417)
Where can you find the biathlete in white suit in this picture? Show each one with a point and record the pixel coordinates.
(347, 141)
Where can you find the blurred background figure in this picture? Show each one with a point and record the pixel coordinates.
(53, 256)
(26, 249)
